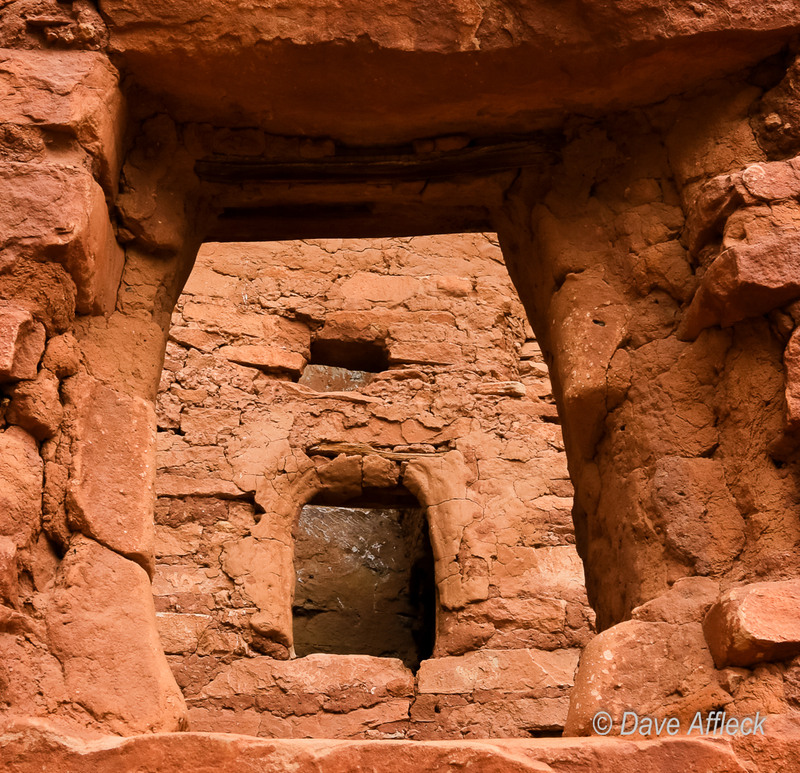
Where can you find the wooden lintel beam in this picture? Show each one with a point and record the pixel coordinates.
(334, 448)
(478, 160)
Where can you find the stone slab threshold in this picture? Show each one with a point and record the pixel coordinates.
(34, 745)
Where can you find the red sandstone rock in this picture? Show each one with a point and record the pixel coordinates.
(21, 343)
(36, 406)
(72, 92)
(269, 358)
(552, 60)
(20, 486)
(773, 182)
(492, 693)
(8, 571)
(755, 623)
(681, 677)
(101, 626)
(668, 441)
(334, 696)
(746, 280)
(45, 290)
(264, 568)
(59, 212)
(503, 670)
(378, 472)
(594, 318)
(110, 495)
(699, 515)
(791, 362)
(34, 746)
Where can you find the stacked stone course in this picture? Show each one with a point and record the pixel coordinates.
(462, 414)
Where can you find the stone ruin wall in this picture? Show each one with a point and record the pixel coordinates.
(460, 410)
(650, 226)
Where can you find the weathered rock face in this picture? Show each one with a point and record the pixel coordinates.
(527, 66)
(652, 243)
(28, 747)
(386, 386)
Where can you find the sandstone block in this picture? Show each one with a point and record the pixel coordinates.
(681, 676)
(535, 672)
(424, 353)
(744, 281)
(263, 568)
(338, 696)
(180, 633)
(773, 181)
(268, 358)
(60, 213)
(72, 92)
(381, 721)
(61, 356)
(8, 571)
(21, 471)
(380, 288)
(21, 343)
(36, 406)
(505, 716)
(226, 320)
(755, 623)
(341, 476)
(169, 485)
(502, 389)
(379, 472)
(203, 426)
(549, 571)
(687, 601)
(33, 747)
(102, 627)
(342, 682)
(110, 496)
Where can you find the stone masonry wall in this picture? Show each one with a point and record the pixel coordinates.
(639, 163)
(460, 413)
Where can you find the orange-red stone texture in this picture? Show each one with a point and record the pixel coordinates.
(464, 402)
(648, 220)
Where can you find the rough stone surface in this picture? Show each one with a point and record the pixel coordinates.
(681, 680)
(101, 626)
(529, 65)
(59, 212)
(639, 165)
(472, 447)
(20, 485)
(493, 693)
(755, 623)
(110, 496)
(67, 92)
(36, 406)
(21, 343)
(318, 696)
(29, 747)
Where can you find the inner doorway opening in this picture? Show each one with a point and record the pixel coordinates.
(364, 578)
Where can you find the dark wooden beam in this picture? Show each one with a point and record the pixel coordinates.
(376, 166)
